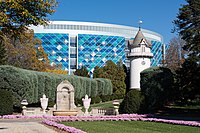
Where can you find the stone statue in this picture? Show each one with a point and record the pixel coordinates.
(44, 102)
(86, 103)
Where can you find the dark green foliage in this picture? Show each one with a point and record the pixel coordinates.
(6, 104)
(106, 98)
(31, 85)
(188, 25)
(83, 72)
(187, 83)
(156, 86)
(78, 102)
(96, 99)
(132, 102)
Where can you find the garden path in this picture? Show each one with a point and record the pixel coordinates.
(14, 126)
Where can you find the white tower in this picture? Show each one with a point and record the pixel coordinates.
(139, 56)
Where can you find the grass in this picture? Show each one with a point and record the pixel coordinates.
(180, 112)
(131, 126)
(104, 104)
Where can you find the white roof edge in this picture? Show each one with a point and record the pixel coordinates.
(103, 24)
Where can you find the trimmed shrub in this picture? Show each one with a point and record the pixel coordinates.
(132, 102)
(106, 98)
(156, 86)
(6, 104)
(96, 99)
(31, 85)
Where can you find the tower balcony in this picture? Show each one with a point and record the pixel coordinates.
(140, 54)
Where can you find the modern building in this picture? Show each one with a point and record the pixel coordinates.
(75, 44)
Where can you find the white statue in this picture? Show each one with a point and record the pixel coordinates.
(86, 103)
(44, 102)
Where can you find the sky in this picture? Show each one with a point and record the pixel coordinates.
(156, 15)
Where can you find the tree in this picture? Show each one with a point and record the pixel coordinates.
(16, 15)
(2, 51)
(188, 81)
(175, 54)
(82, 72)
(98, 72)
(25, 53)
(115, 73)
(188, 25)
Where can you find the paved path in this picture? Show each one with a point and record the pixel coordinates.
(13, 126)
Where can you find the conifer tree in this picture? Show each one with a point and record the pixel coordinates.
(82, 72)
(188, 25)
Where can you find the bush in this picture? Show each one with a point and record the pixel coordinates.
(31, 85)
(96, 99)
(132, 103)
(156, 86)
(105, 98)
(6, 104)
(78, 102)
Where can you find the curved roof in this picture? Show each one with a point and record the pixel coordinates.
(76, 27)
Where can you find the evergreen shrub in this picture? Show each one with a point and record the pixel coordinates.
(6, 104)
(31, 85)
(106, 98)
(156, 86)
(132, 102)
(96, 99)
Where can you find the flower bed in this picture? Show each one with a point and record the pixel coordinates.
(63, 127)
(55, 120)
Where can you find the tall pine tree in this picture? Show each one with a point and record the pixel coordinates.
(188, 25)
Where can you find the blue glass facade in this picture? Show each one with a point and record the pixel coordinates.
(57, 47)
(95, 50)
(156, 49)
(89, 50)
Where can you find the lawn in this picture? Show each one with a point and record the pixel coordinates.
(130, 126)
(108, 104)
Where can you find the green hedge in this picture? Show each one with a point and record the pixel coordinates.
(6, 104)
(31, 85)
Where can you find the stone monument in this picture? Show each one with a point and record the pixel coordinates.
(44, 103)
(65, 100)
(86, 103)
